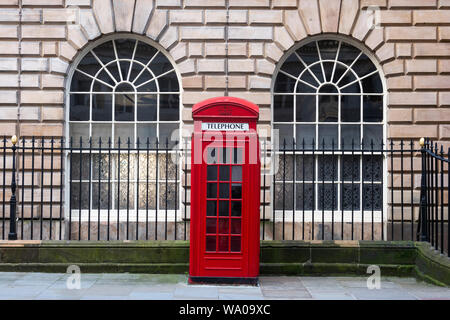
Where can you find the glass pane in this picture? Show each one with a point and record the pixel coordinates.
(306, 108)
(372, 168)
(143, 83)
(101, 107)
(328, 108)
(146, 107)
(224, 225)
(149, 86)
(125, 167)
(124, 131)
(305, 133)
(305, 167)
(328, 68)
(144, 52)
(76, 166)
(136, 69)
(147, 163)
(350, 167)
(372, 133)
(80, 82)
(125, 48)
(169, 107)
(124, 107)
(304, 196)
(211, 190)
(169, 194)
(168, 83)
(347, 78)
(167, 166)
(168, 132)
(125, 195)
(328, 168)
(146, 131)
(285, 167)
(236, 191)
(105, 78)
(348, 53)
(79, 107)
(124, 69)
(373, 108)
(100, 161)
(225, 155)
(237, 156)
(308, 53)
(351, 134)
(236, 173)
(236, 208)
(105, 52)
(103, 131)
(210, 243)
(211, 208)
(327, 134)
(211, 174)
(224, 208)
(224, 190)
(235, 226)
(293, 66)
(372, 84)
(147, 195)
(100, 197)
(363, 66)
(89, 64)
(328, 49)
(211, 225)
(212, 155)
(338, 72)
(285, 133)
(372, 196)
(284, 84)
(114, 71)
(283, 108)
(235, 244)
(350, 193)
(317, 71)
(303, 87)
(77, 131)
(79, 197)
(223, 243)
(353, 88)
(160, 64)
(326, 194)
(350, 108)
(224, 173)
(284, 195)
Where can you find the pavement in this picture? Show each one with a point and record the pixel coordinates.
(124, 286)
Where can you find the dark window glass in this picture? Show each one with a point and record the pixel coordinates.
(160, 64)
(236, 173)
(292, 65)
(210, 243)
(372, 84)
(146, 107)
(235, 244)
(283, 108)
(144, 131)
(328, 49)
(168, 132)
(79, 107)
(236, 208)
(236, 191)
(350, 108)
(328, 68)
(211, 174)
(89, 64)
(224, 173)
(372, 133)
(169, 107)
(144, 52)
(351, 133)
(328, 108)
(363, 66)
(80, 82)
(305, 133)
(101, 107)
(124, 107)
(306, 108)
(373, 108)
(211, 208)
(211, 190)
(327, 134)
(105, 52)
(284, 83)
(211, 225)
(224, 190)
(125, 48)
(168, 83)
(224, 208)
(285, 133)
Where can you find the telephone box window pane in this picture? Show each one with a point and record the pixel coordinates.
(224, 190)
(235, 226)
(236, 191)
(223, 243)
(211, 208)
(212, 155)
(211, 173)
(235, 244)
(224, 208)
(224, 226)
(210, 243)
(211, 191)
(224, 173)
(236, 173)
(211, 225)
(237, 156)
(225, 156)
(236, 208)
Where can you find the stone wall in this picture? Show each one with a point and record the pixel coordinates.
(39, 39)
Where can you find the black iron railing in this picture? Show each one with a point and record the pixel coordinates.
(99, 190)
(434, 197)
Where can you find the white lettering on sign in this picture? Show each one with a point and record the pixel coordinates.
(225, 126)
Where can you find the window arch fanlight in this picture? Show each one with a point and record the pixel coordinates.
(328, 94)
(123, 87)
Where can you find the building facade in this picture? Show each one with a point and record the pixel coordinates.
(328, 73)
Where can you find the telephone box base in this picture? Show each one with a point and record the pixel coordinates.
(224, 280)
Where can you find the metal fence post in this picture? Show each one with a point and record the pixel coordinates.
(13, 203)
(423, 229)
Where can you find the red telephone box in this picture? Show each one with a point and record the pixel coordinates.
(225, 191)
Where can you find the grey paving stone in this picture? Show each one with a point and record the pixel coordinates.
(287, 294)
(381, 294)
(190, 291)
(332, 296)
(228, 296)
(151, 295)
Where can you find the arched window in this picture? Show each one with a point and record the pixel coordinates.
(328, 103)
(122, 89)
